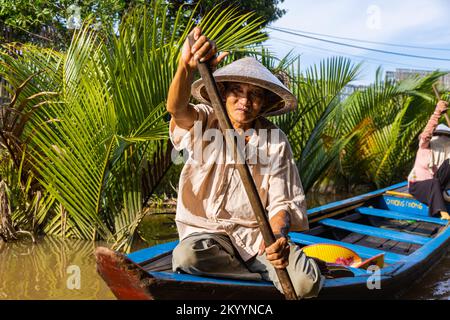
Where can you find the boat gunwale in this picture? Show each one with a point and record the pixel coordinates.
(351, 201)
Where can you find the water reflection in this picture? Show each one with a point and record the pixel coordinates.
(317, 199)
(158, 228)
(39, 271)
(435, 285)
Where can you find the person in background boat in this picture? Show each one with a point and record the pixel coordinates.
(219, 235)
(430, 176)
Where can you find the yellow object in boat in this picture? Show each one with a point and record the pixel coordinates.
(337, 254)
(332, 253)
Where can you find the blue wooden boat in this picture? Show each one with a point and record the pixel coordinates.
(385, 221)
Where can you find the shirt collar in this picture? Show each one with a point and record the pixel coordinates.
(253, 145)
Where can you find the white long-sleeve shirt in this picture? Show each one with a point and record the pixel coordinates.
(211, 196)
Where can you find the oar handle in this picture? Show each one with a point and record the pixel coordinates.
(438, 96)
(242, 168)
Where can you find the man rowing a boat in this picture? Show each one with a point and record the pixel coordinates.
(219, 234)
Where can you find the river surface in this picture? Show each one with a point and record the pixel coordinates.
(56, 268)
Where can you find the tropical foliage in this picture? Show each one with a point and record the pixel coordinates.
(52, 23)
(84, 136)
(82, 123)
(368, 137)
(267, 9)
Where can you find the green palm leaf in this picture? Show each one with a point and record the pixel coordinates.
(88, 145)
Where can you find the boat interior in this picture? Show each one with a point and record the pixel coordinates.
(392, 223)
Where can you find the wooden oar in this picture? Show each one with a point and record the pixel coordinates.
(438, 96)
(244, 171)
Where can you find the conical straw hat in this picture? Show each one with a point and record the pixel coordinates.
(442, 129)
(249, 70)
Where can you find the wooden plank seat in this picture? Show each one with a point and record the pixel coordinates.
(375, 232)
(398, 215)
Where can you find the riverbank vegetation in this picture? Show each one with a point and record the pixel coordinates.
(84, 134)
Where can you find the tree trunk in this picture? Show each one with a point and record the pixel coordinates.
(7, 231)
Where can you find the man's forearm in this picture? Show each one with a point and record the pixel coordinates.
(280, 223)
(432, 123)
(178, 97)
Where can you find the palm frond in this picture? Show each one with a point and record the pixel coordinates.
(89, 144)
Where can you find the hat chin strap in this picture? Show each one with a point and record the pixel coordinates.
(441, 133)
(265, 111)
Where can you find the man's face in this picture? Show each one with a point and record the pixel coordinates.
(243, 102)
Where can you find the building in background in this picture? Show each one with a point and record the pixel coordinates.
(402, 74)
(349, 89)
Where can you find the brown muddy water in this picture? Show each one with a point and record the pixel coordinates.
(56, 268)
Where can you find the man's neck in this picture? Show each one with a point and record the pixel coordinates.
(242, 127)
